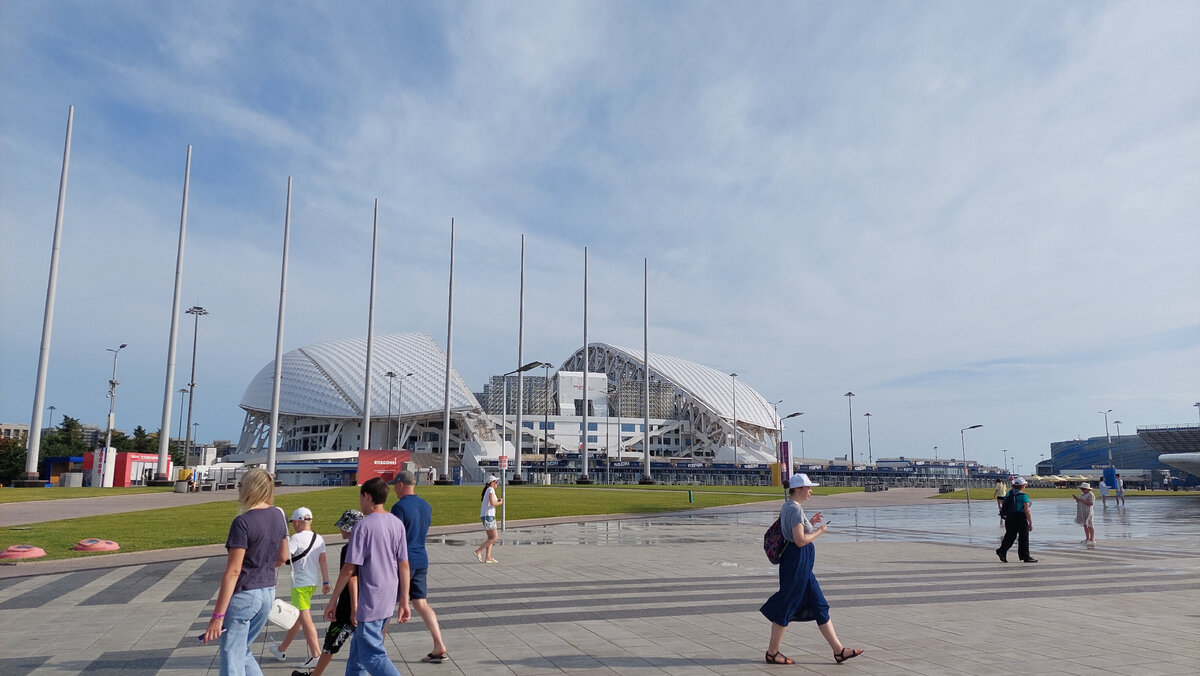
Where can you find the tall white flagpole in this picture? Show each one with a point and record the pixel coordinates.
(273, 438)
(366, 437)
(30, 478)
(646, 478)
(517, 478)
(583, 478)
(449, 358)
(164, 436)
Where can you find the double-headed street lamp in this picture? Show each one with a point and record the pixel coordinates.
(870, 456)
(183, 392)
(788, 470)
(966, 478)
(504, 410)
(112, 401)
(197, 312)
(391, 376)
(546, 423)
(850, 403)
(735, 425)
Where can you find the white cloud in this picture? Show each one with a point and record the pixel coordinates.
(964, 213)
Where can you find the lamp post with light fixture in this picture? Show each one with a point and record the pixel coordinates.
(966, 478)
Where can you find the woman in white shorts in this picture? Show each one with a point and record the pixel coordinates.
(487, 515)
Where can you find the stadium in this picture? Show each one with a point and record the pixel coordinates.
(697, 414)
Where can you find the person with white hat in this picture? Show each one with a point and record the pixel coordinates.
(306, 552)
(799, 597)
(1084, 510)
(1017, 524)
(487, 515)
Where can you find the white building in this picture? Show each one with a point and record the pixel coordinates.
(696, 413)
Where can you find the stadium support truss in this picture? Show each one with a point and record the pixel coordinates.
(700, 396)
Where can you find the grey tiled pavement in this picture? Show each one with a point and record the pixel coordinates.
(671, 594)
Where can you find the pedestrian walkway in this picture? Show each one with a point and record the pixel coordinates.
(672, 594)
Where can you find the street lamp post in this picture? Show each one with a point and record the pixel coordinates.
(966, 478)
(391, 376)
(1120, 455)
(1197, 405)
(870, 455)
(1005, 452)
(735, 425)
(195, 431)
(179, 444)
(52, 409)
(1108, 438)
(850, 403)
(400, 410)
(935, 454)
(112, 404)
(788, 469)
(546, 423)
(504, 403)
(197, 312)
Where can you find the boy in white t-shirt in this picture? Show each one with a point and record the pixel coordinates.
(307, 552)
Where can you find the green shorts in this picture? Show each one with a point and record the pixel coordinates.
(302, 597)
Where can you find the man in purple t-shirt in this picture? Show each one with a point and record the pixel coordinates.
(378, 550)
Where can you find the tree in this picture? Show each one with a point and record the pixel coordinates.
(12, 460)
(66, 441)
(144, 442)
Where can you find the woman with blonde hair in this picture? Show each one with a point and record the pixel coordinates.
(257, 545)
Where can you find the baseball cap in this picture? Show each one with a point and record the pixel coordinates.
(490, 478)
(302, 514)
(799, 480)
(350, 517)
(1019, 481)
(404, 476)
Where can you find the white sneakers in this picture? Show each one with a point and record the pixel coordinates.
(310, 663)
(279, 656)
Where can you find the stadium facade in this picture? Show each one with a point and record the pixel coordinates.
(691, 407)
(1174, 449)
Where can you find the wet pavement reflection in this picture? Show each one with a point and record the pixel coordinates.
(935, 521)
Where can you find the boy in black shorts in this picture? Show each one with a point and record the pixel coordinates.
(341, 629)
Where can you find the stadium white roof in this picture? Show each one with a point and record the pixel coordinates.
(327, 380)
(708, 385)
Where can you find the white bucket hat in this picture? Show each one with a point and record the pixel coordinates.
(799, 480)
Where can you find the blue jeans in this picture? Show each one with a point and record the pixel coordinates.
(244, 620)
(367, 654)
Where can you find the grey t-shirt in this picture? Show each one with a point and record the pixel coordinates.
(792, 514)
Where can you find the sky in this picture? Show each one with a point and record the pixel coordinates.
(964, 212)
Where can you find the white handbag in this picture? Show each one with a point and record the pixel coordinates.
(283, 614)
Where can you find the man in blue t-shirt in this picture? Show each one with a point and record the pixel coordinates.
(417, 514)
(1018, 525)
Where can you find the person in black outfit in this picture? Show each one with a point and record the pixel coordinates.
(342, 627)
(1019, 525)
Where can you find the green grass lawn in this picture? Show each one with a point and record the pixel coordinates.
(208, 523)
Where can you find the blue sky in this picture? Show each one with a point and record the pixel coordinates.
(966, 213)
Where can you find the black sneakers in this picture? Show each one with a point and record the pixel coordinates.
(1002, 556)
(1030, 560)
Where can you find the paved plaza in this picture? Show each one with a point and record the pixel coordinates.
(674, 594)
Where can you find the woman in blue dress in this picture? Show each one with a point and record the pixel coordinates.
(799, 597)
